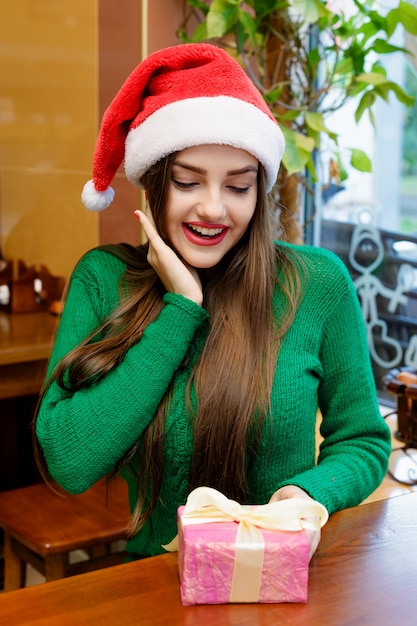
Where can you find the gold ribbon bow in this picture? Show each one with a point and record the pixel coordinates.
(206, 505)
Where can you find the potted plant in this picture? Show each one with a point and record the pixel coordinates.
(308, 58)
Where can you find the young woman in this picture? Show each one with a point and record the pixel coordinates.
(201, 357)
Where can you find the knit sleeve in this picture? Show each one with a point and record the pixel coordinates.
(354, 454)
(83, 435)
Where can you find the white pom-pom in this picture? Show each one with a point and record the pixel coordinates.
(95, 200)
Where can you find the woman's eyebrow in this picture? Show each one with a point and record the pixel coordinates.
(199, 170)
(243, 170)
(192, 168)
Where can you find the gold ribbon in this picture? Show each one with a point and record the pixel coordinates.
(206, 505)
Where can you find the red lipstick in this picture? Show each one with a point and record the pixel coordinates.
(203, 234)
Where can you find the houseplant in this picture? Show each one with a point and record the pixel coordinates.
(308, 58)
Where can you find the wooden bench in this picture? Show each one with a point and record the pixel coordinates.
(43, 528)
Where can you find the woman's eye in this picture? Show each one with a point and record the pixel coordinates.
(182, 185)
(239, 189)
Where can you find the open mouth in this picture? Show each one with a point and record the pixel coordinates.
(205, 232)
(202, 235)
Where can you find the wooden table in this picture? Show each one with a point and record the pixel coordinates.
(25, 346)
(364, 573)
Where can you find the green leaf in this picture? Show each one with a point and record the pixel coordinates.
(381, 46)
(382, 87)
(310, 10)
(298, 149)
(315, 136)
(316, 122)
(369, 30)
(360, 161)
(304, 143)
(371, 78)
(371, 117)
(382, 91)
(311, 168)
(392, 22)
(248, 25)
(265, 7)
(378, 69)
(344, 66)
(289, 135)
(200, 33)
(197, 4)
(221, 18)
(343, 175)
(375, 16)
(289, 116)
(240, 36)
(401, 95)
(356, 88)
(224, 5)
(406, 14)
(365, 103)
(274, 95)
(293, 159)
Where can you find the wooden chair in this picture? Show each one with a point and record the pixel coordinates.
(42, 528)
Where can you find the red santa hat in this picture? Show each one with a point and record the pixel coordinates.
(182, 96)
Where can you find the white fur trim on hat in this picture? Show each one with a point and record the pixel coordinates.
(204, 120)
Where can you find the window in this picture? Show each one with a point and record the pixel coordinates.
(370, 221)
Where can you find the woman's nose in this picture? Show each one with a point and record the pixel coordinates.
(211, 206)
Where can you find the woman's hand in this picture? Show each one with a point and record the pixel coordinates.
(176, 276)
(291, 491)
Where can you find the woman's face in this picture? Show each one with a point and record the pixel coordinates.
(211, 200)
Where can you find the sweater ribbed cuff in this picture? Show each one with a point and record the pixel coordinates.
(186, 305)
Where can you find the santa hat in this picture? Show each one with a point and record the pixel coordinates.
(182, 96)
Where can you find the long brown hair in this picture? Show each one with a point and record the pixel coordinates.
(233, 376)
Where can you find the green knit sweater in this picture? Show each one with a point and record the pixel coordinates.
(323, 362)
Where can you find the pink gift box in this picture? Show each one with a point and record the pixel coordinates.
(207, 556)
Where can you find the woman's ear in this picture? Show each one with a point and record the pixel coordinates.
(146, 196)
